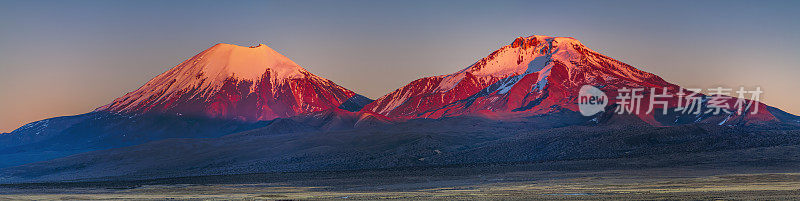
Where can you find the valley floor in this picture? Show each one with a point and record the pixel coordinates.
(448, 183)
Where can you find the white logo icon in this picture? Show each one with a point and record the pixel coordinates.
(591, 100)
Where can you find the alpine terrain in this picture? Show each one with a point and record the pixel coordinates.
(222, 90)
(246, 110)
(541, 74)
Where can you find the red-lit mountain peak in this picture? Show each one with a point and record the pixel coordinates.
(541, 75)
(230, 81)
(531, 58)
(511, 78)
(554, 70)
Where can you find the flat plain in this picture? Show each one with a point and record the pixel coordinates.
(490, 182)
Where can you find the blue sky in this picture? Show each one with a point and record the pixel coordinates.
(69, 57)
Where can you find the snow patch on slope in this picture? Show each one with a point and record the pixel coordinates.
(506, 86)
(449, 82)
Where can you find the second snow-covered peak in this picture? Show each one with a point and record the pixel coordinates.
(523, 56)
(515, 57)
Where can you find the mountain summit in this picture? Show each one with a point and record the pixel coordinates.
(222, 90)
(540, 75)
(234, 82)
(512, 77)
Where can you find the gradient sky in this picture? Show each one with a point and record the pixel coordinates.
(69, 57)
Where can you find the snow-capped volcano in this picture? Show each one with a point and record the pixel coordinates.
(542, 73)
(529, 61)
(235, 82)
(532, 75)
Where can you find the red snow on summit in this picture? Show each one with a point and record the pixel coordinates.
(234, 82)
(531, 76)
(510, 78)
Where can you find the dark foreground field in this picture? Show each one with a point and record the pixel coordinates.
(455, 158)
(497, 181)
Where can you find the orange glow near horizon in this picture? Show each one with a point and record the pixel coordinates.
(66, 58)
